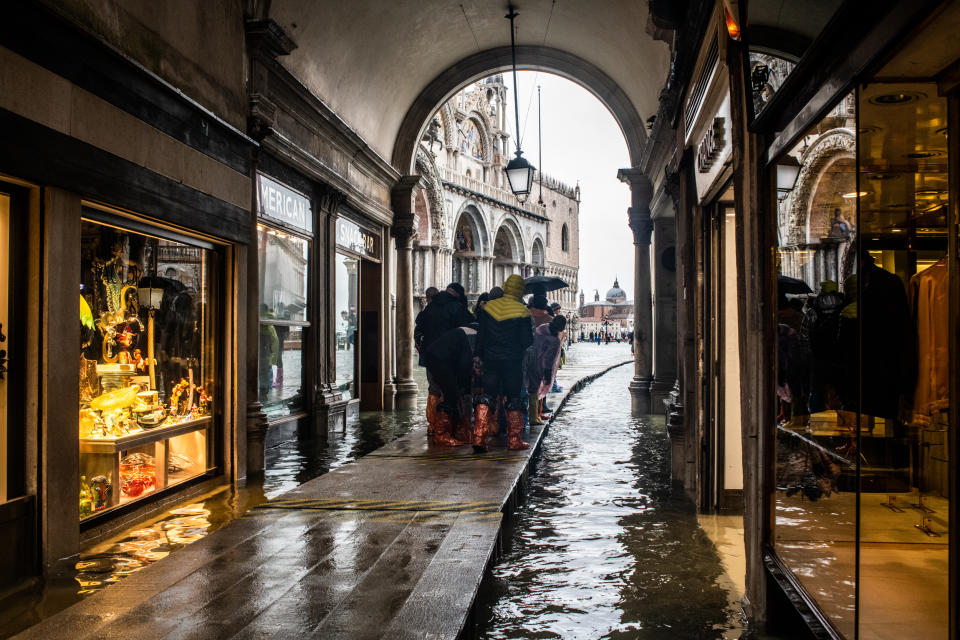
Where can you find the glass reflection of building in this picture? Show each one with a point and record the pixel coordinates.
(284, 320)
(346, 315)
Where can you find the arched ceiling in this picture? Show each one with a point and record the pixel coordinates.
(370, 60)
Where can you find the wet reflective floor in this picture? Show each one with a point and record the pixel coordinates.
(603, 548)
(294, 455)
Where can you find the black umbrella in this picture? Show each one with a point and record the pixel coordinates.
(792, 286)
(542, 284)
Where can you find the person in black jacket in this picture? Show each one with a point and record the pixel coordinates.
(447, 310)
(505, 333)
(449, 361)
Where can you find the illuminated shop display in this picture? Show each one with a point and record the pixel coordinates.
(147, 384)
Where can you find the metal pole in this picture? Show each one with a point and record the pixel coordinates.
(540, 146)
(513, 51)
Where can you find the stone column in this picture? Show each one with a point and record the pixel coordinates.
(641, 192)
(664, 307)
(404, 229)
(266, 41)
(329, 407)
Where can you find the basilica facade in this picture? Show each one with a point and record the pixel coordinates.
(470, 227)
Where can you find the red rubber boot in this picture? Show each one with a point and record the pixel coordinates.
(514, 430)
(480, 422)
(441, 431)
(432, 402)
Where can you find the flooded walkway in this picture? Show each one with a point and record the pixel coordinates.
(603, 548)
(391, 545)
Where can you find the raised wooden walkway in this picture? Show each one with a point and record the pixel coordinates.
(393, 545)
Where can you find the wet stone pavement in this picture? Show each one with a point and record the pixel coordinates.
(334, 536)
(603, 548)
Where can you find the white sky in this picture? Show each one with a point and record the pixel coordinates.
(581, 141)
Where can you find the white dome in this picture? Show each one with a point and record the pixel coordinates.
(616, 294)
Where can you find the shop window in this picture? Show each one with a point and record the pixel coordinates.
(864, 364)
(284, 329)
(148, 387)
(816, 436)
(347, 323)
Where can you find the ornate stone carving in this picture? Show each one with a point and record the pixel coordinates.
(330, 199)
(830, 146)
(431, 175)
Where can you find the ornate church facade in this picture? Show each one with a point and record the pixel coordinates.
(471, 228)
(613, 315)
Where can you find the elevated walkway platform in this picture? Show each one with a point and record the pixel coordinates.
(393, 545)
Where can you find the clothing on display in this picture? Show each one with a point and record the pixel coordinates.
(929, 299)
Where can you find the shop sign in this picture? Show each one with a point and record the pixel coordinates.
(710, 146)
(284, 205)
(352, 237)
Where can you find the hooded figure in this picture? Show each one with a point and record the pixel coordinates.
(447, 310)
(505, 333)
(542, 363)
(539, 310)
(449, 359)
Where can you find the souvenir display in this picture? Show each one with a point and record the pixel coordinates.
(138, 474)
(145, 364)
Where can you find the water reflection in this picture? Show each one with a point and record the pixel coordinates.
(604, 547)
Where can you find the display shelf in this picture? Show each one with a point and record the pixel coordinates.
(144, 437)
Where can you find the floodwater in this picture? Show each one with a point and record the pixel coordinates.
(603, 547)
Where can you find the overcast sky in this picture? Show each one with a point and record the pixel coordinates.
(581, 141)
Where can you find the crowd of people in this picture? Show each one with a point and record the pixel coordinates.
(488, 366)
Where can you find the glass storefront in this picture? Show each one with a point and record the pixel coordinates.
(148, 384)
(864, 362)
(346, 318)
(284, 325)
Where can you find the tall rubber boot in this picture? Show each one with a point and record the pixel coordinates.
(514, 430)
(432, 402)
(441, 431)
(463, 431)
(533, 413)
(481, 423)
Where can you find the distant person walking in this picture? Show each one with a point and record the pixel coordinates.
(505, 333)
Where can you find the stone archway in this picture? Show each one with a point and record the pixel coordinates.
(469, 248)
(829, 148)
(529, 57)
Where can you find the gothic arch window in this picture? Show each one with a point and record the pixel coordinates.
(537, 253)
(564, 239)
(472, 141)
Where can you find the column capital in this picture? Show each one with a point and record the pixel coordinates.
(640, 223)
(404, 230)
(641, 190)
(401, 195)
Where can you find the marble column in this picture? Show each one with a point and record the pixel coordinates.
(404, 230)
(641, 192)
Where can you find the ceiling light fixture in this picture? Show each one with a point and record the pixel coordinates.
(853, 194)
(519, 171)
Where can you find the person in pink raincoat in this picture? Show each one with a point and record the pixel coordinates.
(542, 366)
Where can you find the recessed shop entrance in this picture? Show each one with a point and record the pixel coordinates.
(358, 316)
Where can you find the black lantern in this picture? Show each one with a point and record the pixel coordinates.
(519, 170)
(520, 176)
